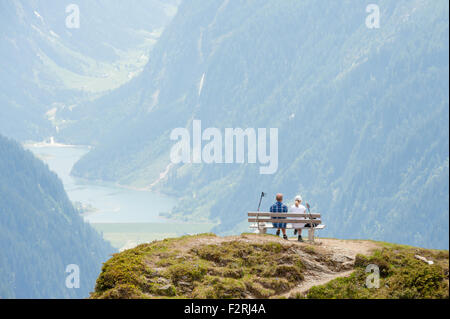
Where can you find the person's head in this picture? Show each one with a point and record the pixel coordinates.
(279, 197)
(298, 200)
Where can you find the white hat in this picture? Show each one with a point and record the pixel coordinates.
(298, 197)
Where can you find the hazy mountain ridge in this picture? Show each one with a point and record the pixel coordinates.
(40, 231)
(362, 114)
(48, 68)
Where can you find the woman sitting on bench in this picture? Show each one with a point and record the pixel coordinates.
(298, 208)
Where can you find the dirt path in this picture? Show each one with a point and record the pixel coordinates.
(338, 247)
(311, 281)
(334, 258)
(324, 260)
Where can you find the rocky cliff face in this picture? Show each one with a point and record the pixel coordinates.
(264, 266)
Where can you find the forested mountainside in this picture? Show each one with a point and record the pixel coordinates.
(362, 114)
(41, 233)
(48, 66)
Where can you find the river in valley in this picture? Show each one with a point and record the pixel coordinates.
(125, 217)
(108, 203)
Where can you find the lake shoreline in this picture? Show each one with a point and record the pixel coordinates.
(111, 202)
(125, 215)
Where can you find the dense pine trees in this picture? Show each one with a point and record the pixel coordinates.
(41, 233)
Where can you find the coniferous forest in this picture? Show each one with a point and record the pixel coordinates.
(41, 233)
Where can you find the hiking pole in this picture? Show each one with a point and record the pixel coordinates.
(311, 224)
(260, 199)
(257, 215)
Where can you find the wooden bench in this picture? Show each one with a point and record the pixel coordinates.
(264, 220)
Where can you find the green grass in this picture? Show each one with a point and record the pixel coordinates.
(95, 82)
(402, 276)
(200, 266)
(174, 268)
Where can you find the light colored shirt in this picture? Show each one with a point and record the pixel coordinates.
(301, 210)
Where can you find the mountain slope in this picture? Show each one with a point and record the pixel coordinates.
(254, 266)
(362, 114)
(46, 67)
(40, 232)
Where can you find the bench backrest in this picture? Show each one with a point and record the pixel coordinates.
(267, 217)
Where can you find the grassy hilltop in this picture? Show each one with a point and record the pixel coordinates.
(264, 266)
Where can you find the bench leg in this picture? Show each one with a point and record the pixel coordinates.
(311, 234)
(262, 230)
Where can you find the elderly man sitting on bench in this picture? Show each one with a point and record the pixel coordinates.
(279, 207)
